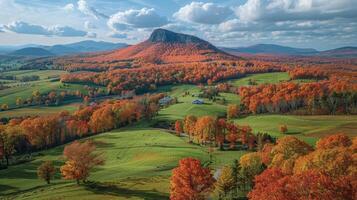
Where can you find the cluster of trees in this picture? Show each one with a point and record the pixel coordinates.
(297, 171)
(21, 78)
(308, 73)
(208, 129)
(145, 78)
(80, 157)
(323, 97)
(290, 170)
(34, 133)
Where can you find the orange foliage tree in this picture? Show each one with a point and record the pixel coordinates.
(81, 158)
(190, 180)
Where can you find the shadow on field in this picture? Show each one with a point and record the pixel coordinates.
(106, 189)
(5, 188)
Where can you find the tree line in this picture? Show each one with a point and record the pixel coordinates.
(24, 135)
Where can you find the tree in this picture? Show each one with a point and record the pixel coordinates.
(9, 140)
(206, 128)
(4, 107)
(189, 126)
(283, 129)
(232, 111)
(251, 165)
(225, 182)
(190, 180)
(46, 171)
(332, 141)
(19, 102)
(178, 127)
(81, 158)
(286, 151)
(273, 184)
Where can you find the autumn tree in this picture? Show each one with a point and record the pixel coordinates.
(251, 165)
(332, 141)
(102, 119)
(273, 184)
(190, 180)
(286, 151)
(225, 183)
(46, 171)
(178, 127)
(283, 129)
(9, 138)
(81, 158)
(205, 129)
(232, 111)
(189, 126)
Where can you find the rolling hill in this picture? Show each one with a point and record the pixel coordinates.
(340, 52)
(165, 46)
(32, 51)
(270, 49)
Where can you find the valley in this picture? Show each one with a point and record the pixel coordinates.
(147, 107)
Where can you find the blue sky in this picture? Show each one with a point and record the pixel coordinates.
(320, 24)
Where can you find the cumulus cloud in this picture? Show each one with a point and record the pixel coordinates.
(204, 13)
(69, 7)
(143, 18)
(88, 10)
(284, 10)
(26, 28)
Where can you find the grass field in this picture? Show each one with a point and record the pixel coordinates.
(263, 78)
(307, 128)
(138, 166)
(44, 86)
(38, 110)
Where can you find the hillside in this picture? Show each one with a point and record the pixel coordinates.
(341, 52)
(271, 49)
(32, 51)
(165, 46)
(84, 47)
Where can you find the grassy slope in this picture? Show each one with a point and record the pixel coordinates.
(274, 77)
(308, 128)
(39, 110)
(139, 164)
(44, 85)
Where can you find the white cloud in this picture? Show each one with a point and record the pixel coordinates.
(23, 27)
(26, 28)
(69, 7)
(89, 25)
(88, 10)
(204, 13)
(143, 18)
(287, 10)
(66, 31)
(91, 35)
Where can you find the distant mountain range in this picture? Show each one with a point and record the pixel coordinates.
(273, 49)
(165, 37)
(86, 46)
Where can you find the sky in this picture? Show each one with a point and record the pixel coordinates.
(320, 24)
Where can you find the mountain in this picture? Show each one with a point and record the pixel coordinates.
(32, 51)
(86, 46)
(165, 46)
(271, 49)
(340, 52)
